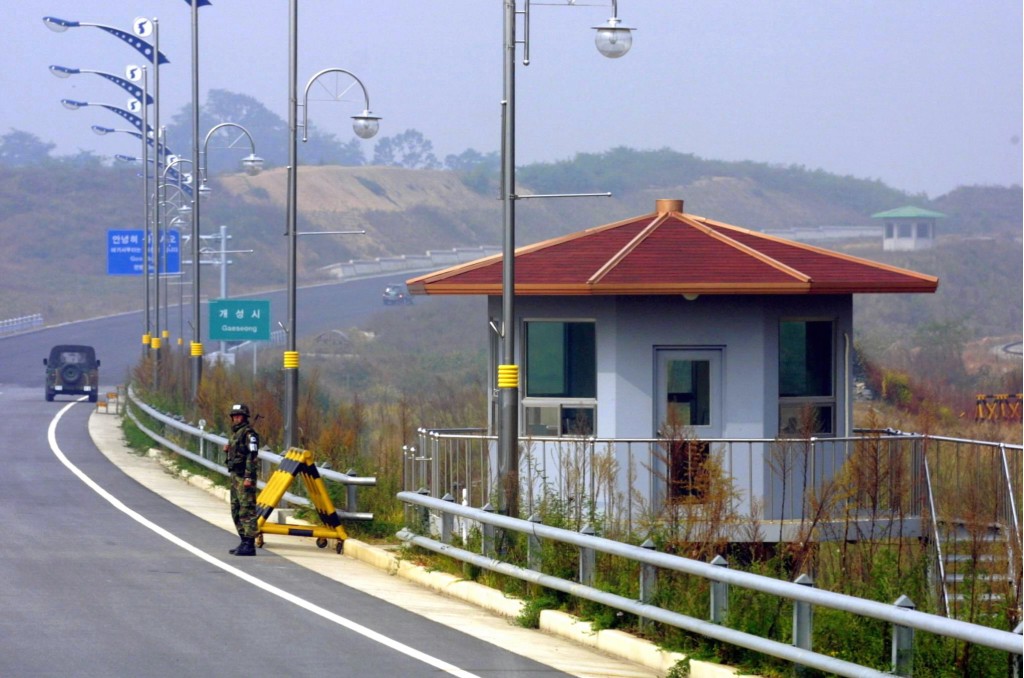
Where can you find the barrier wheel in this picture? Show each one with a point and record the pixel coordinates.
(259, 540)
(339, 547)
(321, 543)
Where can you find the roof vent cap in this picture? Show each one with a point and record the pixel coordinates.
(665, 206)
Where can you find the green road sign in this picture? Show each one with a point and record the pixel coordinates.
(239, 320)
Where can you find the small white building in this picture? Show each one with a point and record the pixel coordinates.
(908, 228)
(673, 317)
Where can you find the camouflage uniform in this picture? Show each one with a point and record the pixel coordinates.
(241, 459)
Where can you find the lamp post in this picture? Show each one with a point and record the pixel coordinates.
(613, 41)
(158, 202)
(144, 133)
(252, 165)
(151, 52)
(177, 210)
(365, 126)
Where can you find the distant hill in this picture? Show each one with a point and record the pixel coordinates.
(54, 218)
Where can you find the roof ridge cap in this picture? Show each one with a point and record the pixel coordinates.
(831, 253)
(614, 260)
(705, 226)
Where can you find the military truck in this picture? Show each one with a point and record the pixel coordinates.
(72, 370)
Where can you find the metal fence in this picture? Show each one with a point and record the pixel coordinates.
(962, 498)
(624, 480)
(433, 516)
(207, 451)
(25, 322)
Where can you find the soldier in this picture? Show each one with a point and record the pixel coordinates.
(241, 458)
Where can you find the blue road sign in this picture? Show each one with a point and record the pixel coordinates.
(124, 253)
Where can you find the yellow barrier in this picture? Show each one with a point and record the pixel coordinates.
(299, 462)
(1001, 406)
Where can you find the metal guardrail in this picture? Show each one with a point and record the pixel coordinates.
(351, 481)
(901, 615)
(431, 259)
(25, 322)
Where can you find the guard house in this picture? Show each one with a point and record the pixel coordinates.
(669, 316)
(908, 228)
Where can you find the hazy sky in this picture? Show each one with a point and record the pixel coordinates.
(925, 95)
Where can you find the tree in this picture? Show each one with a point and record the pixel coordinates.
(409, 149)
(470, 159)
(477, 171)
(21, 149)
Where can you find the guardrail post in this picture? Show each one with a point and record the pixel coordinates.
(1018, 661)
(487, 534)
(534, 560)
(648, 582)
(446, 520)
(408, 478)
(719, 594)
(903, 643)
(423, 514)
(533, 546)
(588, 559)
(802, 622)
(351, 505)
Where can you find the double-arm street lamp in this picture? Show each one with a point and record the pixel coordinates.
(252, 164)
(365, 126)
(613, 41)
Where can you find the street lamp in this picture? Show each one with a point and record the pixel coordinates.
(150, 141)
(143, 133)
(613, 41)
(141, 46)
(147, 141)
(187, 191)
(137, 92)
(252, 164)
(141, 28)
(365, 126)
(136, 121)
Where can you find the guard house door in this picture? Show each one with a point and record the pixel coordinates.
(688, 412)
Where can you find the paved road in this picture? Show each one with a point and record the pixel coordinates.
(118, 339)
(101, 576)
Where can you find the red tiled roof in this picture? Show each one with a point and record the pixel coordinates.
(671, 252)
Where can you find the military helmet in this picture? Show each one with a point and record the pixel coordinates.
(240, 408)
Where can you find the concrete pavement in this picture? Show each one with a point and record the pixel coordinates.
(563, 642)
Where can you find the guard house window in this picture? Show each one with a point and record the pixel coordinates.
(560, 378)
(924, 230)
(806, 384)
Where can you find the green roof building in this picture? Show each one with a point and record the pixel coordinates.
(908, 228)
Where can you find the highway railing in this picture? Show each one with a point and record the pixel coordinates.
(434, 516)
(21, 324)
(210, 455)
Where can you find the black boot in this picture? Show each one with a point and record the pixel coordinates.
(240, 544)
(247, 547)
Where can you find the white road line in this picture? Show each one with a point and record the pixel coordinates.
(245, 576)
